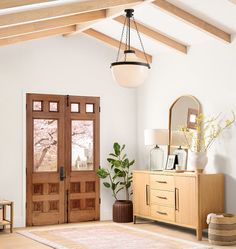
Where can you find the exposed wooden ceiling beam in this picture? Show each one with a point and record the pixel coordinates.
(114, 43)
(110, 14)
(51, 24)
(59, 11)
(189, 18)
(155, 35)
(5, 4)
(37, 35)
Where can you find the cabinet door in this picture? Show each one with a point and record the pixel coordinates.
(186, 204)
(141, 198)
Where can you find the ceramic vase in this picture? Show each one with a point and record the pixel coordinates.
(197, 161)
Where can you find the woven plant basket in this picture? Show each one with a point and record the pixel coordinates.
(222, 230)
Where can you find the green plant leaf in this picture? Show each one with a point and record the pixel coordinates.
(111, 160)
(123, 146)
(119, 172)
(116, 148)
(124, 156)
(112, 154)
(117, 163)
(128, 185)
(107, 184)
(125, 163)
(131, 163)
(113, 186)
(119, 190)
(102, 173)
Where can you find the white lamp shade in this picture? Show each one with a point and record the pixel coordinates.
(130, 75)
(179, 138)
(156, 137)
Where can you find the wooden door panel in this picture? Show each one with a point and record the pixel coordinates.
(82, 142)
(45, 145)
(186, 213)
(141, 199)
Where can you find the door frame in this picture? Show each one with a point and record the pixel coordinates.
(24, 149)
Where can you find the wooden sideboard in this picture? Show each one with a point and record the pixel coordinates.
(183, 199)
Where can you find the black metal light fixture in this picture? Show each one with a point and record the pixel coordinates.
(130, 71)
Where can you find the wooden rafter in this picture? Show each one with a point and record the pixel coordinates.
(115, 43)
(157, 36)
(4, 4)
(51, 24)
(59, 11)
(37, 35)
(110, 14)
(191, 19)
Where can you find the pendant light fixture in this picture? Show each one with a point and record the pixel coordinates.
(130, 71)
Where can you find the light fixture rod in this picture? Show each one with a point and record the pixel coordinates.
(129, 15)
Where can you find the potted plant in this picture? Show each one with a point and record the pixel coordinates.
(119, 178)
(200, 139)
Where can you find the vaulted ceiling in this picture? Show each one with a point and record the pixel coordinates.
(173, 25)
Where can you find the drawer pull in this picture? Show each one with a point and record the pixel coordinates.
(161, 197)
(176, 199)
(162, 213)
(162, 182)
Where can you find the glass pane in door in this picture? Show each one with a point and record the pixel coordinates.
(82, 145)
(45, 145)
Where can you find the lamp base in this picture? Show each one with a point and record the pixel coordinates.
(156, 159)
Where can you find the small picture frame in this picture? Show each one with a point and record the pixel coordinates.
(171, 162)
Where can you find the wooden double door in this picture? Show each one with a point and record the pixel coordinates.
(62, 159)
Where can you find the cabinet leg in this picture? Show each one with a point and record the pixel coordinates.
(199, 234)
(4, 215)
(12, 214)
(135, 219)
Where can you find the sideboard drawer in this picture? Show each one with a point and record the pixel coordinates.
(161, 197)
(162, 182)
(163, 213)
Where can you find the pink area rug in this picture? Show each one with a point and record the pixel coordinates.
(106, 236)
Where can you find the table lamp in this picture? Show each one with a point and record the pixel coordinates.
(156, 137)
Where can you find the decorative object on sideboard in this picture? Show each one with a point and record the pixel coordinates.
(178, 139)
(130, 71)
(172, 161)
(207, 130)
(119, 178)
(156, 137)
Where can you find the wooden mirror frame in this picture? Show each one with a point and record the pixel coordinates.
(170, 113)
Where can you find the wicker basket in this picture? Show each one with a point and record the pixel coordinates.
(222, 230)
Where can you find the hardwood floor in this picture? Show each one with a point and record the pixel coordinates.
(17, 241)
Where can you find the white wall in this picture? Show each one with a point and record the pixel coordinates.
(80, 66)
(208, 73)
(76, 66)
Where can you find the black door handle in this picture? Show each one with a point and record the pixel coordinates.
(62, 173)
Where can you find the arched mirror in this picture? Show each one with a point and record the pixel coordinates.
(183, 113)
